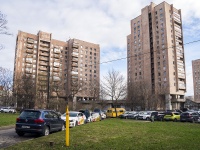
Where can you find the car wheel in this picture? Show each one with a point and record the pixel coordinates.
(20, 133)
(76, 123)
(45, 131)
(175, 120)
(148, 119)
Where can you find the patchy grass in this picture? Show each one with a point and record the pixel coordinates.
(118, 134)
(7, 119)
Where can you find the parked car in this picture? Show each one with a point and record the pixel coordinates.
(147, 115)
(101, 113)
(133, 115)
(96, 117)
(189, 117)
(87, 114)
(160, 116)
(8, 110)
(38, 121)
(75, 118)
(126, 114)
(171, 116)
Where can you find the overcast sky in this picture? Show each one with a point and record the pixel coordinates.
(103, 22)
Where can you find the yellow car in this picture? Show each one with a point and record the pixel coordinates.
(172, 116)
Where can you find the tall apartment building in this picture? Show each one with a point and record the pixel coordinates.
(196, 79)
(156, 54)
(46, 68)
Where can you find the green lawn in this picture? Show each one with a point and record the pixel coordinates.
(7, 119)
(119, 134)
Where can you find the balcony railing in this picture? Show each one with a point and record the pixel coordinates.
(43, 68)
(43, 73)
(44, 49)
(29, 46)
(74, 73)
(75, 64)
(29, 40)
(44, 54)
(44, 44)
(75, 45)
(55, 70)
(43, 64)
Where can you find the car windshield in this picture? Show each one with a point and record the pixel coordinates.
(30, 114)
(72, 114)
(168, 113)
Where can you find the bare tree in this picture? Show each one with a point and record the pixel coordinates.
(3, 27)
(6, 83)
(102, 96)
(115, 86)
(77, 86)
(141, 95)
(24, 92)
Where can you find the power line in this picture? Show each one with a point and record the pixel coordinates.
(148, 52)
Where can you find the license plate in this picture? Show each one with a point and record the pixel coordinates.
(26, 127)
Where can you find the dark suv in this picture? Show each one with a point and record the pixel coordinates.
(189, 117)
(38, 121)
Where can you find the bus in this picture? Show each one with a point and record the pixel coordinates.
(112, 113)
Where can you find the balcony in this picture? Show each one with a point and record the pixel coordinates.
(75, 45)
(44, 54)
(55, 70)
(181, 86)
(42, 88)
(74, 77)
(177, 21)
(28, 71)
(29, 61)
(43, 68)
(181, 76)
(29, 46)
(44, 49)
(43, 83)
(75, 50)
(74, 64)
(74, 59)
(55, 78)
(43, 73)
(29, 40)
(28, 66)
(44, 58)
(177, 29)
(179, 54)
(44, 44)
(176, 14)
(74, 54)
(74, 73)
(43, 64)
(178, 34)
(56, 66)
(56, 56)
(56, 51)
(42, 78)
(29, 51)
